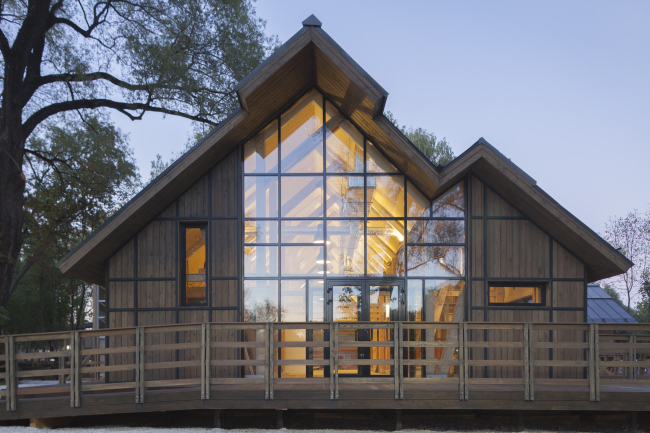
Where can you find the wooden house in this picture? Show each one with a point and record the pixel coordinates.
(305, 255)
(307, 204)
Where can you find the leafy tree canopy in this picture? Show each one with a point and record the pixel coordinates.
(179, 57)
(436, 150)
(77, 174)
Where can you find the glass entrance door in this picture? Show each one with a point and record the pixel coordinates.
(365, 301)
(347, 306)
(384, 307)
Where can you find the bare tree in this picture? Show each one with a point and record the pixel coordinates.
(631, 234)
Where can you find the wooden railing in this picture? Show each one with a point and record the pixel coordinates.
(402, 356)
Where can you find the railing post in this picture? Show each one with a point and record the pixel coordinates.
(73, 369)
(632, 370)
(10, 373)
(461, 362)
(332, 366)
(205, 361)
(139, 365)
(526, 362)
(531, 362)
(336, 360)
(267, 356)
(396, 347)
(400, 329)
(466, 358)
(597, 361)
(592, 365)
(77, 369)
(271, 359)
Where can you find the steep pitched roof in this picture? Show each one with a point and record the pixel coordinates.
(312, 59)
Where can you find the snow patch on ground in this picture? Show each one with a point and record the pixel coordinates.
(215, 430)
(32, 383)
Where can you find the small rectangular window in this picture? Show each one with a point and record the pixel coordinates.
(194, 261)
(517, 295)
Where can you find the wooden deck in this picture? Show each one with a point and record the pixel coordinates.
(487, 366)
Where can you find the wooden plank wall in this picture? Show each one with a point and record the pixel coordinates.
(505, 246)
(142, 277)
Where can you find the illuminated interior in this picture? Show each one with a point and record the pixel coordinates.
(195, 288)
(516, 295)
(323, 202)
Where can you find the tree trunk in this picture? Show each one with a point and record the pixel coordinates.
(12, 181)
(40, 288)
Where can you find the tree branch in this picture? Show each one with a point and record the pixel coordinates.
(4, 45)
(80, 104)
(98, 19)
(94, 76)
(20, 275)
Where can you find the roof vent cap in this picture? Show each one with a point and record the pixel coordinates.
(312, 21)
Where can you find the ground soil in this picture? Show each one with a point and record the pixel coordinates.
(349, 421)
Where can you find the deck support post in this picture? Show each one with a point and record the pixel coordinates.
(139, 365)
(520, 420)
(632, 427)
(10, 373)
(217, 419)
(398, 419)
(279, 418)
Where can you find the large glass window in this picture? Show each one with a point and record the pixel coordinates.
(321, 201)
(194, 264)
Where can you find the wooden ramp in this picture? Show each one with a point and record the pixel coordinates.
(486, 366)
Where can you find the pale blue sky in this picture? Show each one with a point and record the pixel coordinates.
(562, 88)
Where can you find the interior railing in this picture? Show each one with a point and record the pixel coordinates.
(331, 358)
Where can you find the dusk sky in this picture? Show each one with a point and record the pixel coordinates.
(561, 88)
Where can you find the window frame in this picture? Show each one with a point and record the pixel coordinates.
(183, 226)
(541, 286)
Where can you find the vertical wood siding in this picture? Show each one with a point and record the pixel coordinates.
(507, 247)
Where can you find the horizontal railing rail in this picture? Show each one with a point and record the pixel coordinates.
(329, 357)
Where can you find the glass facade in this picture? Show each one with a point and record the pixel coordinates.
(322, 202)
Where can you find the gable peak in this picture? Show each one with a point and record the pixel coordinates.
(312, 21)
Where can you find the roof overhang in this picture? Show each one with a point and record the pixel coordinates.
(483, 160)
(312, 59)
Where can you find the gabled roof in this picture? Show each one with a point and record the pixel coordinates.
(602, 308)
(312, 59)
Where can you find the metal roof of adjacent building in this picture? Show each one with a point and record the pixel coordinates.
(602, 308)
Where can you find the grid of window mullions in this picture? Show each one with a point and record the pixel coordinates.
(405, 219)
